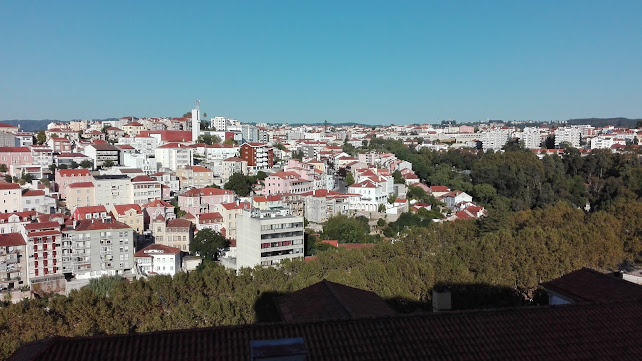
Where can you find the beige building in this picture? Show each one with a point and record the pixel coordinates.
(229, 212)
(11, 197)
(195, 177)
(131, 215)
(81, 194)
(177, 233)
(233, 165)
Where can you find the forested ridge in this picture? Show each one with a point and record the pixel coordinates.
(537, 229)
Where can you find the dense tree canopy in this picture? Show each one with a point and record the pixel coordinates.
(239, 183)
(207, 243)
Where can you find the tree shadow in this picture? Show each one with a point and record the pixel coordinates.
(265, 309)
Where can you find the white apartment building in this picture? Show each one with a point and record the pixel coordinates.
(267, 237)
(568, 134)
(174, 155)
(112, 190)
(144, 145)
(494, 139)
(532, 138)
(141, 161)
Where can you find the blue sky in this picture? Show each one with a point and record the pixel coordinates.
(376, 62)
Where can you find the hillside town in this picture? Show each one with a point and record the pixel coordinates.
(127, 197)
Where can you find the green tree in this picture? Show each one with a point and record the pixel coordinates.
(297, 154)
(86, 164)
(349, 179)
(261, 175)
(230, 141)
(207, 243)
(398, 177)
(346, 229)
(240, 184)
(104, 285)
(8, 178)
(3, 168)
(279, 146)
(74, 165)
(108, 163)
(46, 182)
(41, 137)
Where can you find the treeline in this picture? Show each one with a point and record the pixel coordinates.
(527, 248)
(518, 180)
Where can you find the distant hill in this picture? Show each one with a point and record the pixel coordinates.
(602, 122)
(29, 125)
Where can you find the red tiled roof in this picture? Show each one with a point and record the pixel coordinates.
(122, 208)
(329, 300)
(12, 239)
(157, 203)
(156, 249)
(15, 150)
(587, 285)
(73, 172)
(143, 178)
(33, 193)
(90, 209)
(94, 225)
(179, 223)
(5, 186)
(41, 226)
(580, 332)
(21, 215)
(80, 185)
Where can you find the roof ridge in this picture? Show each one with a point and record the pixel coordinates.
(342, 302)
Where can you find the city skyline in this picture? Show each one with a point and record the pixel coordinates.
(291, 62)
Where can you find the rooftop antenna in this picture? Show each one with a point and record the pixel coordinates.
(198, 102)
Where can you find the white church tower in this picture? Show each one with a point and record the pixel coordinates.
(196, 122)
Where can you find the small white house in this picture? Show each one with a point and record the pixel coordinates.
(158, 259)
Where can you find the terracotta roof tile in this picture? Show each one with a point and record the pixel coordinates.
(587, 285)
(594, 331)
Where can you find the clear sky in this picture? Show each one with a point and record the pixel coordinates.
(376, 62)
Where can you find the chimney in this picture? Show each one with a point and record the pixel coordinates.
(441, 299)
(292, 349)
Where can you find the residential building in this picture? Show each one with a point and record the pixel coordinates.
(144, 189)
(11, 195)
(230, 213)
(322, 204)
(64, 177)
(37, 200)
(158, 259)
(94, 248)
(169, 180)
(112, 189)
(570, 135)
(44, 256)
(259, 156)
(131, 215)
(177, 233)
(233, 165)
(15, 158)
(16, 221)
(195, 176)
(287, 182)
(266, 238)
(371, 196)
(197, 201)
(91, 212)
(80, 194)
(157, 208)
(13, 261)
(102, 152)
(174, 155)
